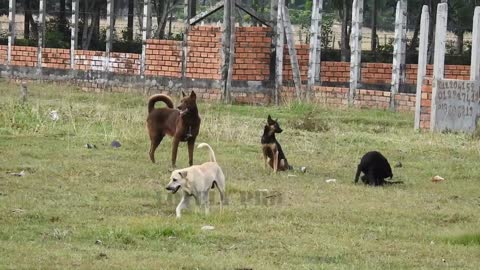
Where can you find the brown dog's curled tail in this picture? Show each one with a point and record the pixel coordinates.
(160, 97)
(210, 150)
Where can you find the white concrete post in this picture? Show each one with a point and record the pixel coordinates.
(145, 30)
(74, 33)
(186, 32)
(439, 56)
(41, 33)
(422, 62)
(399, 48)
(280, 36)
(315, 47)
(109, 34)
(356, 48)
(11, 30)
(475, 62)
(297, 79)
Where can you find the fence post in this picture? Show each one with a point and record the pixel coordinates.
(356, 48)
(185, 42)
(11, 30)
(422, 62)
(74, 33)
(399, 47)
(293, 53)
(439, 56)
(280, 35)
(315, 47)
(109, 34)
(145, 30)
(475, 58)
(41, 34)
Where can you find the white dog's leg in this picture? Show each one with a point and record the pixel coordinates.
(206, 202)
(182, 205)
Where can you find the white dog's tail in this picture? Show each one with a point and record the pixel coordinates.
(212, 154)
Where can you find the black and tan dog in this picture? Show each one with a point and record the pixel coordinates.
(272, 151)
(183, 124)
(375, 168)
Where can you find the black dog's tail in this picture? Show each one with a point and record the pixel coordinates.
(159, 97)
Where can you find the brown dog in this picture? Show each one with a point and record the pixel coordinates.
(272, 151)
(183, 124)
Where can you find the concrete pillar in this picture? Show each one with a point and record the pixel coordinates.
(422, 62)
(145, 36)
(41, 33)
(11, 30)
(399, 48)
(475, 62)
(315, 47)
(356, 48)
(109, 34)
(439, 56)
(74, 33)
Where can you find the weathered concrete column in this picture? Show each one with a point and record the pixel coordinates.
(109, 34)
(186, 32)
(475, 58)
(41, 33)
(145, 36)
(280, 39)
(315, 47)
(422, 62)
(399, 48)
(293, 53)
(356, 48)
(11, 30)
(74, 33)
(439, 56)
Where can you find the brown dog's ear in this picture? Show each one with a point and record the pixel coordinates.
(183, 94)
(193, 95)
(183, 174)
(270, 120)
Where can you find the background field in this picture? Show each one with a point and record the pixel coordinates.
(72, 196)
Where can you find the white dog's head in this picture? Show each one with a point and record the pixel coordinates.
(178, 179)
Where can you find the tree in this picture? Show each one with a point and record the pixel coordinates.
(130, 20)
(163, 9)
(460, 20)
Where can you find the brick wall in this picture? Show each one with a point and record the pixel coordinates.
(89, 60)
(3, 54)
(334, 71)
(56, 58)
(125, 63)
(163, 58)
(426, 104)
(252, 54)
(204, 44)
(302, 55)
(24, 56)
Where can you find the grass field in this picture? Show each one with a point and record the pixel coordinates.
(107, 208)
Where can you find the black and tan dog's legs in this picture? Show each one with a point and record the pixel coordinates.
(275, 162)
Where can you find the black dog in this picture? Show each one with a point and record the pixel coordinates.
(272, 151)
(375, 168)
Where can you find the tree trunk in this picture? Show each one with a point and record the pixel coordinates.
(27, 15)
(345, 39)
(414, 42)
(459, 42)
(130, 20)
(374, 26)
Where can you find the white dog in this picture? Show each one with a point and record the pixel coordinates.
(197, 181)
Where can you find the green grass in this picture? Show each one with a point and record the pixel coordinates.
(71, 196)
